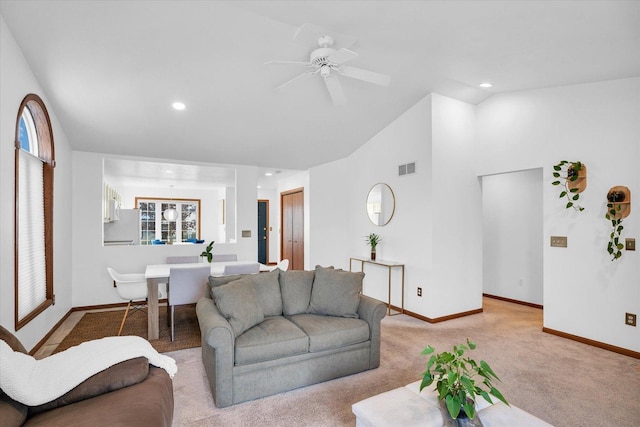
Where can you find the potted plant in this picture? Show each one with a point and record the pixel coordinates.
(614, 247)
(455, 376)
(207, 253)
(372, 240)
(569, 180)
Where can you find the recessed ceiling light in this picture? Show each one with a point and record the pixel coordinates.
(178, 106)
(268, 174)
(486, 84)
(259, 186)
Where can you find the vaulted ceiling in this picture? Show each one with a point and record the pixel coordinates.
(111, 69)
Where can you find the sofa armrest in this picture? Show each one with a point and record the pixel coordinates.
(372, 311)
(218, 350)
(215, 329)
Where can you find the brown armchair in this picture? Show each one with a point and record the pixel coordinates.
(131, 393)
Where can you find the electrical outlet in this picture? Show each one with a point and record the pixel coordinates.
(630, 244)
(419, 292)
(559, 241)
(630, 319)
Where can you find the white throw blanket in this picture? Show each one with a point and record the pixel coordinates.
(34, 382)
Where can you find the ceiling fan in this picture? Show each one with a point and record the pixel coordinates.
(329, 64)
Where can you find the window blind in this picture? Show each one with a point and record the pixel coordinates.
(32, 284)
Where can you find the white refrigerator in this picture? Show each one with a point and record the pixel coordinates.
(125, 230)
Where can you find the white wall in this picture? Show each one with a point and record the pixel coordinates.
(17, 81)
(512, 235)
(436, 230)
(330, 223)
(456, 285)
(585, 294)
(339, 217)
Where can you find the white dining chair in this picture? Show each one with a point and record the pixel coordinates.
(131, 287)
(224, 257)
(182, 259)
(186, 286)
(247, 268)
(283, 265)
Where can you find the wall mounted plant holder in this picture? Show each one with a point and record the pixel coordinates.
(618, 208)
(573, 179)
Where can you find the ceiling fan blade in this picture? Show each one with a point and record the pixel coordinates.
(308, 64)
(365, 75)
(298, 77)
(341, 56)
(335, 90)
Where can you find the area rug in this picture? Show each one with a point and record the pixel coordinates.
(106, 323)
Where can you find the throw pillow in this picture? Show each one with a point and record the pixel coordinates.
(215, 281)
(268, 292)
(238, 303)
(335, 292)
(295, 286)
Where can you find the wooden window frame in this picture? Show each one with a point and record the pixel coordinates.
(169, 200)
(46, 153)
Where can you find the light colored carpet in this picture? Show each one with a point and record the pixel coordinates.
(566, 383)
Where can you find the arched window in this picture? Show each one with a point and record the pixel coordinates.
(34, 163)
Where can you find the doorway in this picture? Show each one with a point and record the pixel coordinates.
(263, 232)
(512, 236)
(292, 226)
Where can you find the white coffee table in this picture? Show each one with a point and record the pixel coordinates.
(407, 406)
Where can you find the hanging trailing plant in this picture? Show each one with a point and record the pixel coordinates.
(568, 172)
(614, 247)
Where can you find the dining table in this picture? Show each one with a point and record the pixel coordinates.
(159, 273)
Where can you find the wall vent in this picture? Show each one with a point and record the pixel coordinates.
(407, 168)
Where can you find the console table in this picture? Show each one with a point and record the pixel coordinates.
(390, 265)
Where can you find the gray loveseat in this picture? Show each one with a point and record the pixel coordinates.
(267, 333)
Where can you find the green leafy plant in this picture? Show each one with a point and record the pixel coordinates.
(455, 377)
(568, 172)
(614, 247)
(207, 252)
(372, 240)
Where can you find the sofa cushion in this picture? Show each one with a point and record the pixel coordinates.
(274, 338)
(120, 375)
(295, 286)
(12, 413)
(335, 292)
(238, 303)
(268, 292)
(329, 332)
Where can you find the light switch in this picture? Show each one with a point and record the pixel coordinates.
(559, 241)
(630, 244)
(246, 233)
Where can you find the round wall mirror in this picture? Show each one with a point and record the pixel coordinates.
(381, 204)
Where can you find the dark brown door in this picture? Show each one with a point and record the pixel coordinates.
(292, 242)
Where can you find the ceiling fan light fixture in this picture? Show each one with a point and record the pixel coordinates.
(325, 71)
